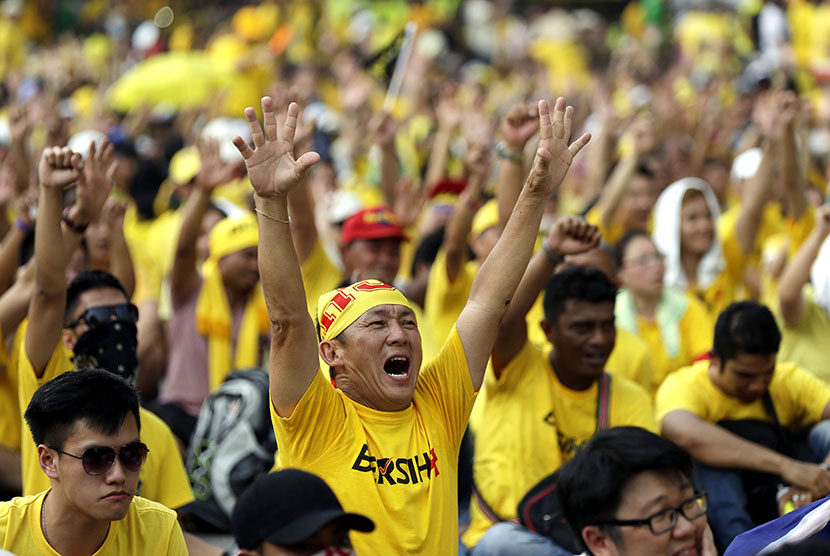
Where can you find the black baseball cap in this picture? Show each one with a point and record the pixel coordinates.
(288, 507)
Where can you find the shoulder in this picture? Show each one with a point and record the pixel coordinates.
(17, 507)
(693, 376)
(148, 511)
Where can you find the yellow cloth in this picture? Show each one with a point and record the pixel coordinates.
(398, 468)
(629, 358)
(529, 424)
(339, 308)
(798, 396)
(148, 529)
(444, 299)
(213, 312)
(320, 275)
(214, 320)
(163, 478)
(614, 232)
(696, 332)
(806, 343)
(9, 408)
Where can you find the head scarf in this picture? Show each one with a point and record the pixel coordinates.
(339, 308)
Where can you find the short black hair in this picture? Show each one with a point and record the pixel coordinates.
(85, 281)
(100, 398)
(622, 244)
(591, 484)
(579, 284)
(745, 327)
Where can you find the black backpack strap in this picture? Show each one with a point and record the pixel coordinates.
(485, 507)
(770, 407)
(603, 401)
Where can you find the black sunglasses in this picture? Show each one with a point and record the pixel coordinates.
(98, 459)
(94, 316)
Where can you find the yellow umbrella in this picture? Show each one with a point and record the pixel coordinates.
(182, 79)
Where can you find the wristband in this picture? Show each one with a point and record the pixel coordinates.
(503, 152)
(71, 224)
(555, 258)
(23, 226)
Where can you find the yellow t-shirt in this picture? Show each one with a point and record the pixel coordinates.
(398, 468)
(9, 407)
(726, 287)
(528, 424)
(445, 300)
(696, 331)
(320, 275)
(163, 478)
(799, 397)
(613, 233)
(806, 343)
(149, 528)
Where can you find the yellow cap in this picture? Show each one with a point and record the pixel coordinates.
(487, 217)
(185, 165)
(233, 234)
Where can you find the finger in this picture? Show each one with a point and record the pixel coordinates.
(569, 118)
(90, 155)
(49, 156)
(107, 152)
(111, 172)
(76, 161)
(559, 115)
(256, 131)
(269, 118)
(545, 129)
(305, 162)
(290, 125)
(243, 147)
(577, 145)
(62, 158)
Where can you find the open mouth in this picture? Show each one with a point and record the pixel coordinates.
(397, 367)
(596, 359)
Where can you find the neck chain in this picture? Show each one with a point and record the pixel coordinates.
(43, 524)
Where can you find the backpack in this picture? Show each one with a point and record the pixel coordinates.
(233, 444)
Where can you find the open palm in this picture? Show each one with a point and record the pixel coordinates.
(271, 165)
(554, 156)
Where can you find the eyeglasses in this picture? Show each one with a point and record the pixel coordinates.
(664, 521)
(645, 260)
(96, 315)
(98, 459)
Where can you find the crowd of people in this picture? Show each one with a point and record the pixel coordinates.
(493, 321)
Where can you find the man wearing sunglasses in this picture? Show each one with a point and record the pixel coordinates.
(630, 492)
(86, 426)
(97, 326)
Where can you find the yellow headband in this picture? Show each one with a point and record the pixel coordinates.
(233, 234)
(339, 308)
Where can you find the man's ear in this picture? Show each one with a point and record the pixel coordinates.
(548, 328)
(69, 339)
(598, 542)
(330, 352)
(46, 459)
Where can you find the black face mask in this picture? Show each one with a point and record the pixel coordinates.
(110, 346)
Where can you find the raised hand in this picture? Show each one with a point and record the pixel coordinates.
(477, 161)
(272, 168)
(59, 167)
(554, 156)
(520, 124)
(571, 235)
(823, 219)
(383, 128)
(95, 181)
(213, 172)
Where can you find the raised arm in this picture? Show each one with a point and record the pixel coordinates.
(797, 272)
(717, 447)
(383, 128)
(496, 281)
(184, 274)
(517, 127)
(274, 172)
(568, 236)
(58, 168)
(791, 171)
(121, 263)
(476, 163)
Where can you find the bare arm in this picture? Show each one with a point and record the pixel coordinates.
(568, 236)
(448, 118)
(15, 301)
(9, 256)
(455, 240)
(184, 275)
(303, 226)
(121, 263)
(496, 281)
(58, 168)
(790, 169)
(717, 447)
(797, 272)
(519, 124)
(384, 127)
(273, 172)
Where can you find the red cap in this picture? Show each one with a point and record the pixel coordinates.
(375, 223)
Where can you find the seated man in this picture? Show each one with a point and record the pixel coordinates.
(387, 437)
(743, 390)
(293, 512)
(86, 427)
(630, 492)
(539, 405)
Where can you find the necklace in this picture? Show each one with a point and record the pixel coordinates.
(43, 523)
